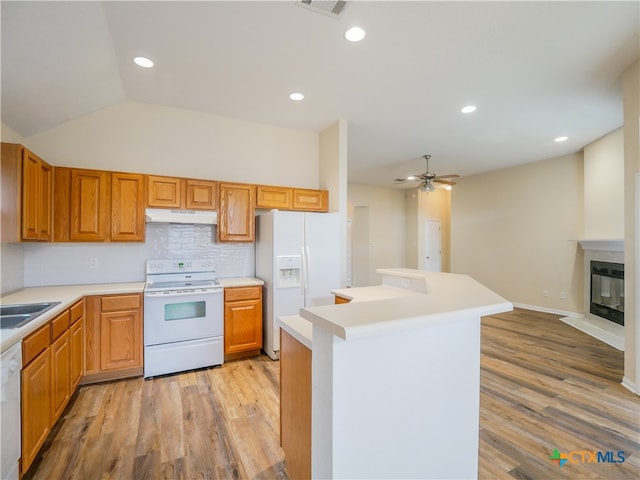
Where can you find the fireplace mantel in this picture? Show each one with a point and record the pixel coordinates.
(605, 245)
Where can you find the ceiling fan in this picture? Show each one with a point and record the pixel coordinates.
(427, 178)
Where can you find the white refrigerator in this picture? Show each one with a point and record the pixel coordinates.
(298, 257)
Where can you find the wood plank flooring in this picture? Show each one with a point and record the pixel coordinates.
(544, 386)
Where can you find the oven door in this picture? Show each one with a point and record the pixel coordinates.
(177, 316)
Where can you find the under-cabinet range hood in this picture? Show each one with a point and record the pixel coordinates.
(161, 215)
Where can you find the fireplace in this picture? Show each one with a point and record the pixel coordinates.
(607, 291)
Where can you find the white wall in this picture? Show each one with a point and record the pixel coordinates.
(512, 231)
(603, 192)
(333, 177)
(386, 207)
(139, 137)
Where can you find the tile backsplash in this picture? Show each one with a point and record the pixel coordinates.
(198, 241)
(68, 263)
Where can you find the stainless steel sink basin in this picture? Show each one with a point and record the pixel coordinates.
(15, 316)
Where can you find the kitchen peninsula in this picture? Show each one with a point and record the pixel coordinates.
(395, 378)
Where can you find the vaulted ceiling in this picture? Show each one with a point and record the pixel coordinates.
(535, 71)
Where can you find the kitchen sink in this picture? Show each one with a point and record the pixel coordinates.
(15, 316)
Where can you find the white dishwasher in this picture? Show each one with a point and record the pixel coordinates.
(11, 363)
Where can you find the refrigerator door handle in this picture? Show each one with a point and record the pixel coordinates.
(306, 269)
(303, 273)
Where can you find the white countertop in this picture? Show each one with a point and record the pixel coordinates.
(448, 296)
(298, 328)
(67, 295)
(240, 282)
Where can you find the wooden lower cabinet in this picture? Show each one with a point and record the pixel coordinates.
(242, 321)
(76, 344)
(60, 375)
(51, 371)
(113, 337)
(36, 407)
(295, 406)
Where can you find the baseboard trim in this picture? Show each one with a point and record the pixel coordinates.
(536, 308)
(631, 386)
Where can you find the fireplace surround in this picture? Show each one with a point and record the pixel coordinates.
(609, 331)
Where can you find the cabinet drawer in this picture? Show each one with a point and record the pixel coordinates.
(77, 311)
(120, 302)
(60, 324)
(242, 293)
(35, 343)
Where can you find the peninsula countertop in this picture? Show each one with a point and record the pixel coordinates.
(398, 310)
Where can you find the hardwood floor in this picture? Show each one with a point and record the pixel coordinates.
(544, 386)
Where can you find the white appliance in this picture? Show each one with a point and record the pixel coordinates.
(183, 316)
(11, 363)
(298, 257)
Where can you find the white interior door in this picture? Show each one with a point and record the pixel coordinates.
(432, 246)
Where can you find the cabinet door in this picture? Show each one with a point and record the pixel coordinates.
(127, 207)
(201, 195)
(89, 205)
(60, 375)
(120, 340)
(236, 222)
(36, 407)
(164, 192)
(36, 197)
(76, 343)
(242, 326)
(310, 200)
(45, 221)
(273, 197)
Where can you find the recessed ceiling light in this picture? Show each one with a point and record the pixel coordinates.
(561, 139)
(447, 187)
(143, 62)
(468, 109)
(355, 34)
(297, 96)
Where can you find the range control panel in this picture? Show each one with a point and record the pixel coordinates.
(177, 265)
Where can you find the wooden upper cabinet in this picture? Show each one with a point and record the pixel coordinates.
(27, 183)
(98, 206)
(127, 207)
(236, 222)
(274, 197)
(310, 200)
(201, 195)
(165, 192)
(90, 192)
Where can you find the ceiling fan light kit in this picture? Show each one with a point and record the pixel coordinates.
(427, 178)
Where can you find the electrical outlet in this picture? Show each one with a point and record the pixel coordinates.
(93, 263)
(545, 293)
(563, 295)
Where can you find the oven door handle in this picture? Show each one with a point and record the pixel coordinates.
(182, 294)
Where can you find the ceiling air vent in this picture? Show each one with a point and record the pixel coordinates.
(332, 8)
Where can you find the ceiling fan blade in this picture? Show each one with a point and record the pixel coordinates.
(449, 176)
(446, 182)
